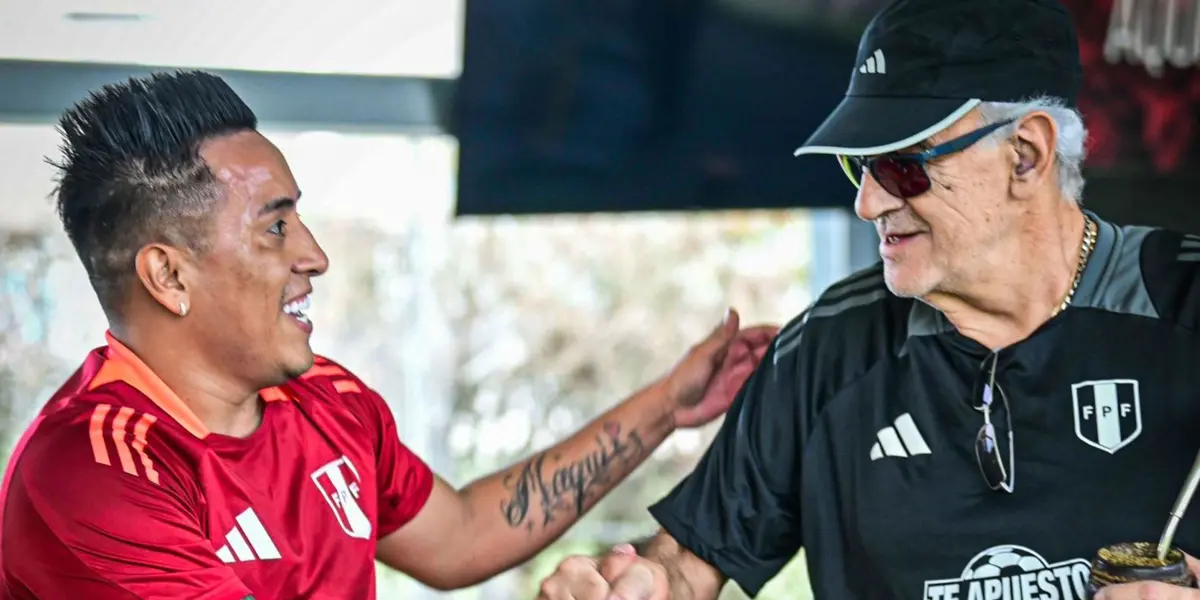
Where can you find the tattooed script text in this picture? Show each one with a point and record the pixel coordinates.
(569, 486)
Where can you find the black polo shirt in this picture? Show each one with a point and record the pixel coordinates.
(855, 439)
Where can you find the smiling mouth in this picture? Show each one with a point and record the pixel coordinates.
(899, 237)
(298, 309)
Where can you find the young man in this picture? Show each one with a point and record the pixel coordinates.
(1011, 389)
(205, 452)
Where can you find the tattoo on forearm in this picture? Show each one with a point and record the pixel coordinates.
(569, 485)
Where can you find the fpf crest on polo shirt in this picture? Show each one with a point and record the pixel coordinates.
(1108, 413)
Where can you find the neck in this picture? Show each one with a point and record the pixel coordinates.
(224, 405)
(1024, 279)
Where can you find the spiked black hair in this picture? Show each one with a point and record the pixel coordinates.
(131, 173)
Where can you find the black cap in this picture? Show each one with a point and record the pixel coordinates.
(923, 64)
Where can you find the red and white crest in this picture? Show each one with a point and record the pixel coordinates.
(338, 481)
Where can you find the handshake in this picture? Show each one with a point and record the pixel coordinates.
(621, 575)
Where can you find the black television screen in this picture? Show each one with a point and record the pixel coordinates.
(626, 105)
(630, 105)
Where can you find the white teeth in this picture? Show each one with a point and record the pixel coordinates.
(299, 308)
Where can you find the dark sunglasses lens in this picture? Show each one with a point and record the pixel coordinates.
(987, 453)
(901, 178)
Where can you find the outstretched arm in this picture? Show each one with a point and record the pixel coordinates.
(735, 517)
(462, 537)
(465, 536)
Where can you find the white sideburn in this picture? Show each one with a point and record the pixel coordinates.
(911, 140)
(299, 308)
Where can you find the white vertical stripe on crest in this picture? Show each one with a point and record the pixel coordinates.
(1108, 417)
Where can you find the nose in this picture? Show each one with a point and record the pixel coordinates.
(873, 201)
(312, 260)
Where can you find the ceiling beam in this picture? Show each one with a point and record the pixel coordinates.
(38, 92)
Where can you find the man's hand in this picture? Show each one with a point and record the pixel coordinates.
(704, 384)
(622, 575)
(462, 537)
(1152, 590)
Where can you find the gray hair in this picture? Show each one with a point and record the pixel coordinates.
(1069, 150)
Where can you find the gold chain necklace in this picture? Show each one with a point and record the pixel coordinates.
(1085, 252)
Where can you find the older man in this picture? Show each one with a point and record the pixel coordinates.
(1012, 388)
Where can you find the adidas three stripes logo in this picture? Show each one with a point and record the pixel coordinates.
(248, 541)
(900, 439)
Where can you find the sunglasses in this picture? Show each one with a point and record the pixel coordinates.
(998, 473)
(903, 175)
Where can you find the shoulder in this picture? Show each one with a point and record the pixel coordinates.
(109, 445)
(328, 374)
(1152, 273)
(856, 315)
(336, 387)
(1169, 265)
(851, 326)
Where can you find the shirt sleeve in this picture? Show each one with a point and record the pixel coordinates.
(405, 482)
(76, 528)
(1169, 265)
(739, 509)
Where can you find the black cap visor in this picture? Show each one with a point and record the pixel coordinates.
(872, 125)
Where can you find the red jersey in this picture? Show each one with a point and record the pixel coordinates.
(117, 491)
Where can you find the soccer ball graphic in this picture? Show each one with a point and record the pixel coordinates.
(1002, 561)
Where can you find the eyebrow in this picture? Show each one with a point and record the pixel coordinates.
(278, 204)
